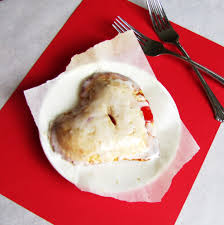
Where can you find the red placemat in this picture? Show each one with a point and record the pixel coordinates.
(26, 176)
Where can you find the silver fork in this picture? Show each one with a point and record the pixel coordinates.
(166, 33)
(155, 48)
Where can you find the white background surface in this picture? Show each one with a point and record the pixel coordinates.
(28, 26)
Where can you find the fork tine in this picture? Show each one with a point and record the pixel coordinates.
(165, 19)
(160, 13)
(120, 24)
(155, 13)
(126, 28)
(122, 29)
(119, 29)
(132, 28)
(149, 4)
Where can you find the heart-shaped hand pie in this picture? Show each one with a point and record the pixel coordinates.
(111, 122)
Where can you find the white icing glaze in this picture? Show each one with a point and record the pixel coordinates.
(88, 136)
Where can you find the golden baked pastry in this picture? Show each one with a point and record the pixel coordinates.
(107, 125)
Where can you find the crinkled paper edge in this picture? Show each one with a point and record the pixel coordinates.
(131, 53)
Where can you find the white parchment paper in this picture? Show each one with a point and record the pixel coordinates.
(129, 181)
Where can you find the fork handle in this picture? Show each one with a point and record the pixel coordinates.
(193, 63)
(216, 106)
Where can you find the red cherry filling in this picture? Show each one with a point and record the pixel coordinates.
(147, 113)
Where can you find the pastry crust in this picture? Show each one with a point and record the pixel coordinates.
(107, 125)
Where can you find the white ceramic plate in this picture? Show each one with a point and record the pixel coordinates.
(121, 176)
